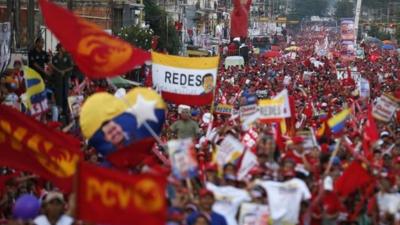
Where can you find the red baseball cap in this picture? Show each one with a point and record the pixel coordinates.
(205, 192)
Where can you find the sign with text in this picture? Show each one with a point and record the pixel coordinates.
(384, 108)
(185, 80)
(247, 111)
(224, 109)
(275, 108)
(104, 193)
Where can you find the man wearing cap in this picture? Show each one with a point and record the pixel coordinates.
(185, 127)
(206, 201)
(53, 211)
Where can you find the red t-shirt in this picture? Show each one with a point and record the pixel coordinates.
(331, 203)
(296, 157)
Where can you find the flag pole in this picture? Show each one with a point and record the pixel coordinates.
(156, 152)
(334, 153)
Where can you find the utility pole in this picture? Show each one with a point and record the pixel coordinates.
(16, 29)
(70, 5)
(10, 9)
(388, 13)
(357, 18)
(11, 19)
(31, 22)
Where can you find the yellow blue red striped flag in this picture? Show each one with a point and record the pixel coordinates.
(338, 121)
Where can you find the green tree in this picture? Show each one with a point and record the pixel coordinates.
(308, 8)
(375, 4)
(375, 32)
(162, 26)
(138, 36)
(344, 9)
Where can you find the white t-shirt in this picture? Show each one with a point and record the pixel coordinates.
(284, 199)
(227, 201)
(388, 202)
(64, 220)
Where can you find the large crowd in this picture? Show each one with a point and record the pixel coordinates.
(217, 196)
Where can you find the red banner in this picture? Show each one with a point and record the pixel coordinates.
(97, 53)
(111, 197)
(29, 145)
(132, 155)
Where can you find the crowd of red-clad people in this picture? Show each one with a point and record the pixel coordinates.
(290, 184)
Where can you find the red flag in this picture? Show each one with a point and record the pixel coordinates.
(29, 145)
(97, 53)
(111, 197)
(354, 177)
(371, 134)
(132, 155)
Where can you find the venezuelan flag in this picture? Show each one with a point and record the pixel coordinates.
(337, 122)
(35, 87)
(138, 108)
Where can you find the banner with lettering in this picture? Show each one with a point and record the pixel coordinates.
(106, 196)
(276, 108)
(384, 108)
(224, 109)
(184, 80)
(183, 158)
(247, 111)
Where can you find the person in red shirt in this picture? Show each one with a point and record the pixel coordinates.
(298, 155)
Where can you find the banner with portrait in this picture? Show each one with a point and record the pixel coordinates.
(185, 80)
(347, 51)
(347, 31)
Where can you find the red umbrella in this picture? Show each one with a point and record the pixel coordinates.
(272, 54)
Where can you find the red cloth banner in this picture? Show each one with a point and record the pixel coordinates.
(354, 177)
(29, 145)
(97, 53)
(106, 196)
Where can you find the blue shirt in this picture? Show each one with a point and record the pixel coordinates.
(216, 219)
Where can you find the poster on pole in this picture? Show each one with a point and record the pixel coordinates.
(183, 158)
(347, 29)
(347, 51)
